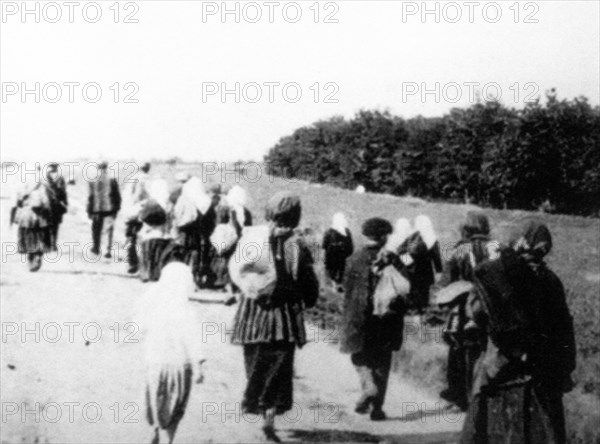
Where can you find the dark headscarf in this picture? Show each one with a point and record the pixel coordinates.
(376, 227)
(284, 209)
(532, 239)
(477, 224)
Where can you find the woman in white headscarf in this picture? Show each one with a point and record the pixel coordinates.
(153, 232)
(338, 246)
(170, 333)
(191, 207)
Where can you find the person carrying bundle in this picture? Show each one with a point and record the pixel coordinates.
(530, 352)
(373, 315)
(277, 283)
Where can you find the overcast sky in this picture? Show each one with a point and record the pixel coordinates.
(179, 54)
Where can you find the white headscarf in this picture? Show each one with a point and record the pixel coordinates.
(402, 231)
(236, 199)
(158, 189)
(193, 191)
(424, 226)
(340, 224)
(169, 327)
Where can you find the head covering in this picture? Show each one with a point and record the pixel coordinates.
(477, 224)
(182, 176)
(532, 239)
(284, 209)
(193, 192)
(360, 189)
(340, 224)
(158, 189)
(376, 227)
(145, 167)
(402, 231)
(425, 228)
(166, 318)
(102, 165)
(236, 199)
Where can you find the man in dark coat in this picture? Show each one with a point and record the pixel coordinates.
(57, 192)
(104, 202)
(368, 338)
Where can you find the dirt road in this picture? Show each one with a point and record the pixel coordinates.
(72, 372)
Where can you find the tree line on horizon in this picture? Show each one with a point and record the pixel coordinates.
(543, 156)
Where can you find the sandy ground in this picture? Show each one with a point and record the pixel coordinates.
(86, 386)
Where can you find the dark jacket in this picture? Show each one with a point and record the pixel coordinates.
(57, 192)
(360, 329)
(337, 246)
(104, 196)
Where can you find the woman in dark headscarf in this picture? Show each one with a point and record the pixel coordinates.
(337, 243)
(270, 324)
(464, 340)
(530, 353)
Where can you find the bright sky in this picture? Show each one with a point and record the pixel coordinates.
(378, 55)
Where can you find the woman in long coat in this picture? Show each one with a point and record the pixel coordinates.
(271, 326)
(338, 246)
(170, 334)
(32, 212)
(530, 354)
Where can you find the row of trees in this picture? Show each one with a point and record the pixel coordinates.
(542, 156)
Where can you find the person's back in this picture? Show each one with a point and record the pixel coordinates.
(105, 196)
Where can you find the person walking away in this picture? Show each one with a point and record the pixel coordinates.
(191, 206)
(530, 352)
(424, 249)
(170, 333)
(153, 238)
(232, 216)
(465, 339)
(269, 321)
(135, 195)
(104, 202)
(338, 246)
(369, 339)
(32, 212)
(57, 191)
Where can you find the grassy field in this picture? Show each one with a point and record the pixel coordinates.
(575, 258)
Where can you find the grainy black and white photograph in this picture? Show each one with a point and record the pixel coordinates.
(300, 221)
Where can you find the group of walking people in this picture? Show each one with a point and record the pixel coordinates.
(509, 330)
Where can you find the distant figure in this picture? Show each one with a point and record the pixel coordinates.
(269, 322)
(231, 213)
(32, 212)
(135, 195)
(188, 212)
(170, 333)
(530, 353)
(369, 339)
(104, 203)
(465, 339)
(424, 250)
(57, 191)
(338, 246)
(360, 189)
(153, 234)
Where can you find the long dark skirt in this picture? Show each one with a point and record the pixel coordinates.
(167, 397)
(34, 240)
(269, 371)
(151, 258)
(336, 267)
(514, 415)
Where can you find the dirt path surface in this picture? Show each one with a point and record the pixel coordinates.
(86, 386)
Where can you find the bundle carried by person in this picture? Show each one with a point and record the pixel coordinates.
(252, 268)
(192, 201)
(224, 238)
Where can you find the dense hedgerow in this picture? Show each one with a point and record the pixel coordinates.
(544, 156)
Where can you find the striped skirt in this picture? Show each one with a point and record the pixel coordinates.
(34, 240)
(167, 394)
(256, 324)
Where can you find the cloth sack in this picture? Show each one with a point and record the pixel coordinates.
(252, 268)
(390, 286)
(224, 238)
